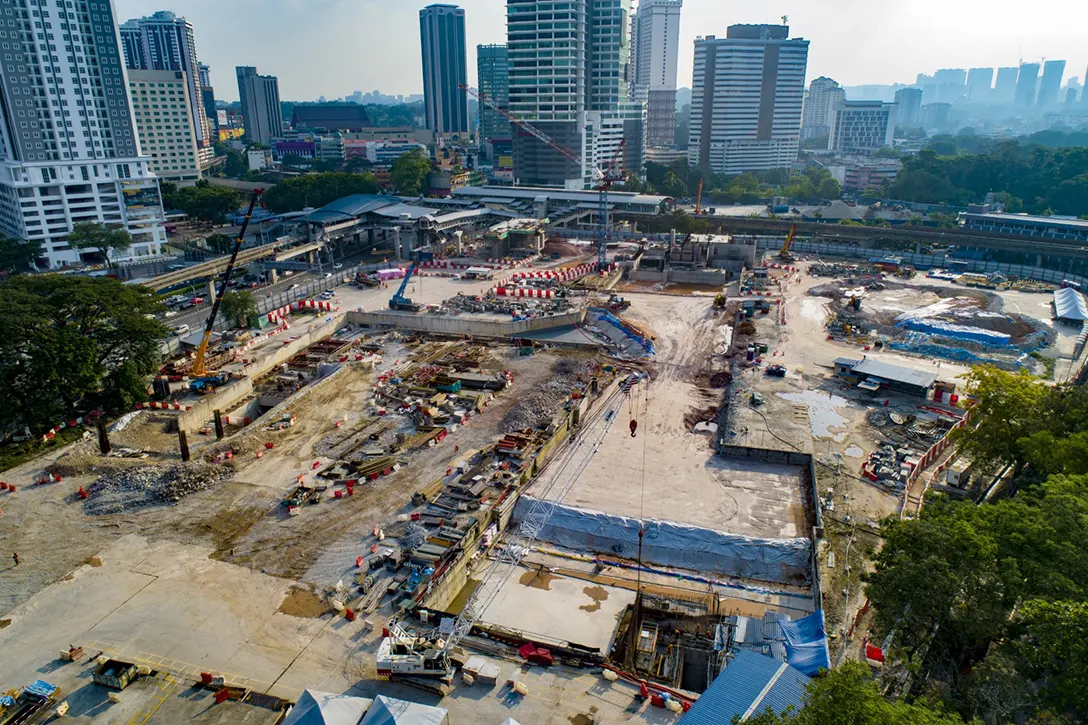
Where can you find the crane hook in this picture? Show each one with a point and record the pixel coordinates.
(634, 427)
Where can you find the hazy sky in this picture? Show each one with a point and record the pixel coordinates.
(334, 47)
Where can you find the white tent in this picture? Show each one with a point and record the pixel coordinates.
(325, 708)
(510, 721)
(1069, 305)
(390, 711)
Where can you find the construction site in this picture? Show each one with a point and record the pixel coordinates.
(542, 488)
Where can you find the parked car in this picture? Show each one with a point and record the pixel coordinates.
(293, 286)
(181, 330)
(338, 265)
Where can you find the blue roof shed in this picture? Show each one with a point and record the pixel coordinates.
(747, 686)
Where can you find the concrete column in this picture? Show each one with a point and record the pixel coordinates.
(211, 289)
(396, 242)
(273, 276)
(310, 258)
(458, 234)
(1038, 260)
(917, 247)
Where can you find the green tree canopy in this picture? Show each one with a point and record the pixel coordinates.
(65, 340)
(316, 190)
(239, 307)
(208, 202)
(219, 243)
(18, 255)
(99, 238)
(410, 171)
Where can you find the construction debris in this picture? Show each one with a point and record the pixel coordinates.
(137, 488)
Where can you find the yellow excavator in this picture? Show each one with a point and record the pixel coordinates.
(784, 252)
(200, 381)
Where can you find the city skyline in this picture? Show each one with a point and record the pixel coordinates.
(335, 64)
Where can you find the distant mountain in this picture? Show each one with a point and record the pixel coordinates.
(683, 97)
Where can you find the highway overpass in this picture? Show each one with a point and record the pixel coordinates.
(210, 268)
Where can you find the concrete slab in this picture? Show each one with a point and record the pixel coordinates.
(558, 608)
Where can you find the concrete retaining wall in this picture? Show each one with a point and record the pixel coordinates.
(681, 276)
(462, 325)
(230, 395)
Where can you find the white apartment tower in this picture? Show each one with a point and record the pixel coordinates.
(655, 42)
(164, 120)
(68, 145)
(163, 41)
(862, 127)
(570, 77)
(746, 99)
(824, 97)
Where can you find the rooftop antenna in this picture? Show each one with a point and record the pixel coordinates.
(785, 19)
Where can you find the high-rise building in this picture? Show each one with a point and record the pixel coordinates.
(1050, 83)
(937, 116)
(951, 84)
(908, 107)
(1070, 97)
(58, 168)
(260, 98)
(1026, 82)
(655, 42)
(824, 97)
(1005, 85)
(574, 86)
(862, 126)
(442, 39)
(168, 136)
(746, 99)
(207, 100)
(493, 78)
(163, 41)
(979, 81)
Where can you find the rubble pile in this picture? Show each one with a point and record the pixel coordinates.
(136, 488)
(535, 409)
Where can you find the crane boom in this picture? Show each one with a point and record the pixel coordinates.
(202, 350)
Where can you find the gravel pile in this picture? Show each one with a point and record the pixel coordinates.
(144, 486)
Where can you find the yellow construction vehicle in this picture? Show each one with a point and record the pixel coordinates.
(784, 253)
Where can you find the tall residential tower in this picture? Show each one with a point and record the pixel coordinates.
(59, 167)
(493, 78)
(163, 41)
(655, 43)
(824, 97)
(746, 99)
(1050, 84)
(442, 40)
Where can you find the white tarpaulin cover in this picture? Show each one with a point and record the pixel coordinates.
(1069, 304)
(325, 708)
(390, 711)
(676, 545)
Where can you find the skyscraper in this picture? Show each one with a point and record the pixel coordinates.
(655, 44)
(168, 136)
(908, 107)
(951, 84)
(260, 97)
(56, 167)
(1005, 86)
(1050, 83)
(979, 81)
(493, 78)
(862, 126)
(207, 101)
(746, 99)
(823, 99)
(163, 41)
(574, 86)
(1026, 81)
(442, 39)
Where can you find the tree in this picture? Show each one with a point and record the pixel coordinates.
(67, 342)
(100, 238)
(18, 255)
(849, 696)
(1005, 411)
(673, 186)
(208, 202)
(219, 243)
(410, 171)
(829, 189)
(1055, 646)
(239, 307)
(236, 165)
(316, 190)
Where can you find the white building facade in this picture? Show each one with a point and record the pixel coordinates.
(747, 94)
(823, 99)
(69, 151)
(655, 43)
(862, 127)
(164, 120)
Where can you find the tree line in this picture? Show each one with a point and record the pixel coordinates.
(1034, 179)
(679, 180)
(987, 605)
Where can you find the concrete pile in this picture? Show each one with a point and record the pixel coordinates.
(136, 488)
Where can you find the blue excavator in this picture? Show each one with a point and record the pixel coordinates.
(398, 301)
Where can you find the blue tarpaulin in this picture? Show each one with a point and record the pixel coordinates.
(806, 643)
